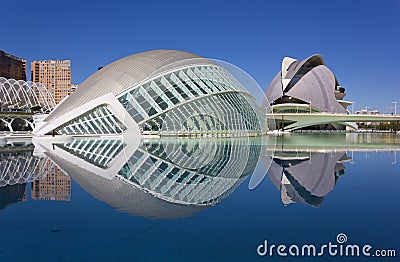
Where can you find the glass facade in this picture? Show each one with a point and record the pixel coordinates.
(97, 121)
(97, 152)
(197, 99)
(178, 170)
(204, 100)
(171, 168)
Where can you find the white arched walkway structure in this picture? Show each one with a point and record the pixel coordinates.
(22, 95)
(23, 168)
(19, 100)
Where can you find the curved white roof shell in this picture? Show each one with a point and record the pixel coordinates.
(125, 73)
(307, 80)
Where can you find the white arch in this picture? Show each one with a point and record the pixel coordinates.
(3, 81)
(40, 89)
(11, 83)
(25, 95)
(31, 91)
(48, 95)
(23, 86)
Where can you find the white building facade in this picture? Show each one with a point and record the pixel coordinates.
(161, 92)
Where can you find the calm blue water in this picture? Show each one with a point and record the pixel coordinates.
(329, 186)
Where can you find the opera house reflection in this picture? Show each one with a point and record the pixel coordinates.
(306, 177)
(305, 168)
(170, 178)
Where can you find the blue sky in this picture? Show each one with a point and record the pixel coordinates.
(359, 40)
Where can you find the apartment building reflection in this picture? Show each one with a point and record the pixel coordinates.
(52, 185)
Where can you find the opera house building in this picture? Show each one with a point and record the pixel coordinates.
(308, 86)
(161, 92)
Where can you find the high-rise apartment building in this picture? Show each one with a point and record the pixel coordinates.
(55, 75)
(12, 66)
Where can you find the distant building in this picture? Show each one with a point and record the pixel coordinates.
(366, 112)
(307, 86)
(55, 75)
(12, 66)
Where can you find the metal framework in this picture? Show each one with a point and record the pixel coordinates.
(22, 168)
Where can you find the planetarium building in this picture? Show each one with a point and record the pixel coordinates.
(161, 92)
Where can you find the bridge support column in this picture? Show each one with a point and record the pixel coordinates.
(10, 125)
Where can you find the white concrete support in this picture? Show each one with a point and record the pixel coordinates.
(109, 99)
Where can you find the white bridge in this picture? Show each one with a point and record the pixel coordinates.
(300, 120)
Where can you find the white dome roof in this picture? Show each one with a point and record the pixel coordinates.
(125, 73)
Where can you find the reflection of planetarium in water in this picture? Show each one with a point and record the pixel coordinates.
(159, 178)
(307, 86)
(157, 92)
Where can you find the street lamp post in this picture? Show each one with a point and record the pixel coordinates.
(395, 112)
(352, 108)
